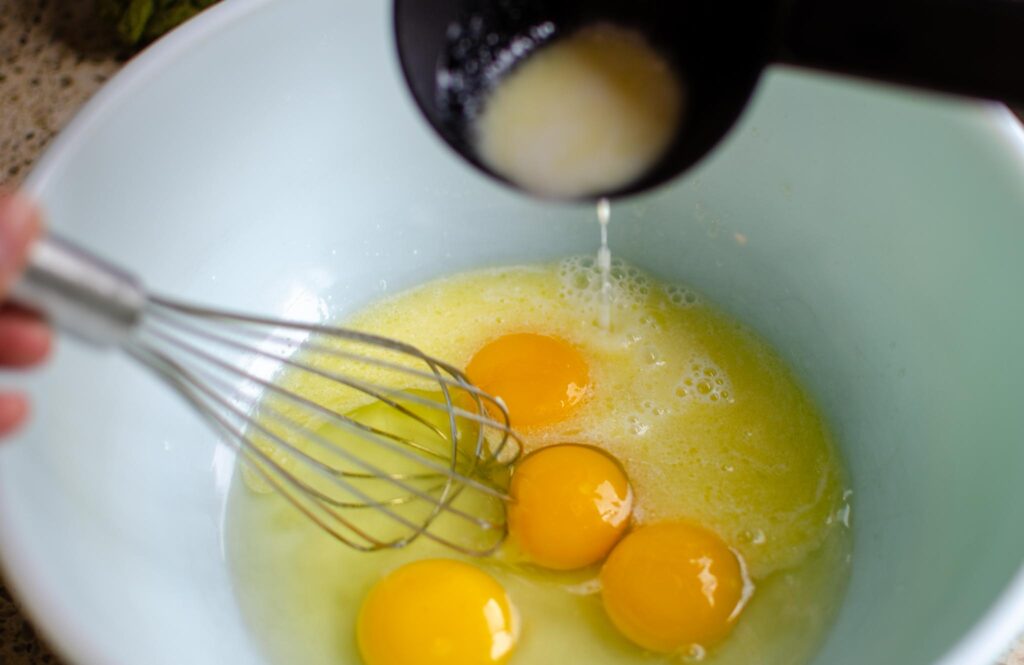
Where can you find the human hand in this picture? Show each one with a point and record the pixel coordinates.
(24, 338)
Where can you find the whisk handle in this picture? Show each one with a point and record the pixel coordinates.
(81, 293)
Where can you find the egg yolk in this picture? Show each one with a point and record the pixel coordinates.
(669, 586)
(540, 378)
(436, 612)
(570, 505)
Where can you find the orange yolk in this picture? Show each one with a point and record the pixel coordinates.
(570, 505)
(669, 586)
(436, 612)
(541, 379)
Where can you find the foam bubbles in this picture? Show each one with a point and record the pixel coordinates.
(705, 382)
(653, 408)
(581, 278)
(682, 296)
(637, 425)
(630, 288)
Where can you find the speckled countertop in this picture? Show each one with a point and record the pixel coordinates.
(53, 57)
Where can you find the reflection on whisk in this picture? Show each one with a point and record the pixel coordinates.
(376, 442)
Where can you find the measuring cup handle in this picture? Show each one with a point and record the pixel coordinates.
(971, 47)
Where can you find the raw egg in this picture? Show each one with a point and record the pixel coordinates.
(673, 585)
(731, 470)
(436, 612)
(541, 379)
(570, 505)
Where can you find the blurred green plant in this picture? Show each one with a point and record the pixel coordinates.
(138, 22)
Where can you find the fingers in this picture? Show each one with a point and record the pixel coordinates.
(24, 338)
(13, 411)
(20, 225)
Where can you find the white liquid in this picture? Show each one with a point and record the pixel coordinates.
(588, 114)
(604, 264)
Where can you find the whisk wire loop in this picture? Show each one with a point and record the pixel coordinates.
(284, 483)
(376, 442)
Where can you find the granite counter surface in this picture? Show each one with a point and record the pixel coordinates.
(53, 57)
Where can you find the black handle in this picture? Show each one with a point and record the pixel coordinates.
(970, 47)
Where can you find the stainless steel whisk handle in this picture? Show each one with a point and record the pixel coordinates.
(80, 293)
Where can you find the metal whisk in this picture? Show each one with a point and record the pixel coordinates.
(376, 442)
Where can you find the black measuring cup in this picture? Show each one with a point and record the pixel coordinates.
(719, 49)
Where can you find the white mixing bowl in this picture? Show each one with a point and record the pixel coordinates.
(268, 157)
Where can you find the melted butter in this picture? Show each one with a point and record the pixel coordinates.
(587, 114)
(604, 264)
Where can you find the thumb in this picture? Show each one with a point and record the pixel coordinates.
(20, 225)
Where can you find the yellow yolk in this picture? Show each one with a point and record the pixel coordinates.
(541, 379)
(570, 505)
(669, 586)
(436, 612)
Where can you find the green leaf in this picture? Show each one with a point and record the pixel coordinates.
(133, 20)
(137, 22)
(171, 17)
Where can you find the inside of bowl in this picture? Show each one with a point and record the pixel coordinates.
(873, 239)
(871, 236)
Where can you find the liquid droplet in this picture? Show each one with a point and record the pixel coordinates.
(604, 263)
